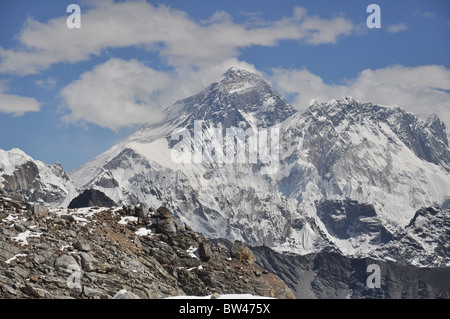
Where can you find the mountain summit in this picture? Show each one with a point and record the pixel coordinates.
(351, 173)
(239, 99)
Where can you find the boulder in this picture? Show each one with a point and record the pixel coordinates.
(241, 252)
(36, 292)
(63, 262)
(204, 251)
(163, 212)
(39, 211)
(91, 264)
(82, 245)
(142, 210)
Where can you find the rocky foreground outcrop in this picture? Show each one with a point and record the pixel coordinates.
(121, 252)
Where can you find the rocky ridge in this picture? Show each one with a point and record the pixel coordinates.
(331, 275)
(37, 181)
(119, 252)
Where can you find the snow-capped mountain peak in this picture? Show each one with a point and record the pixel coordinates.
(354, 157)
(239, 99)
(37, 181)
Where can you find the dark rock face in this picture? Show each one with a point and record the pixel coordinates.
(25, 180)
(348, 218)
(332, 275)
(115, 254)
(91, 197)
(425, 240)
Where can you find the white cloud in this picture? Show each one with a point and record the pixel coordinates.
(421, 89)
(394, 28)
(179, 39)
(115, 94)
(121, 93)
(16, 104)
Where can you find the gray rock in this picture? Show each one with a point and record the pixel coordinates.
(17, 197)
(22, 272)
(142, 210)
(166, 226)
(90, 264)
(240, 251)
(38, 259)
(39, 211)
(123, 294)
(93, 293)
(9, 290)
(19, 228)
(63, 262)
(82, 245)
(8, 250)
(204, 251)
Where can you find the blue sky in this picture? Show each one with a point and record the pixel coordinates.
(69, 94)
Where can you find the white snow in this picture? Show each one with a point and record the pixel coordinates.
(81, 215)
(191, 250)
(9, 160)
(126, 219)
(144, 232)
(22, 237)
(14, 258)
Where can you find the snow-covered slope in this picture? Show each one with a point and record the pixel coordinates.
(376, 155)
(373, 166)
(37, 181)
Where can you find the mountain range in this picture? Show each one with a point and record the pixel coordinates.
(357, 178)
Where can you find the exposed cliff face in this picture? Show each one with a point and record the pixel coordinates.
(36, 181)
(102, 252)
(425, 241)
(91, 197)
(327, 275)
